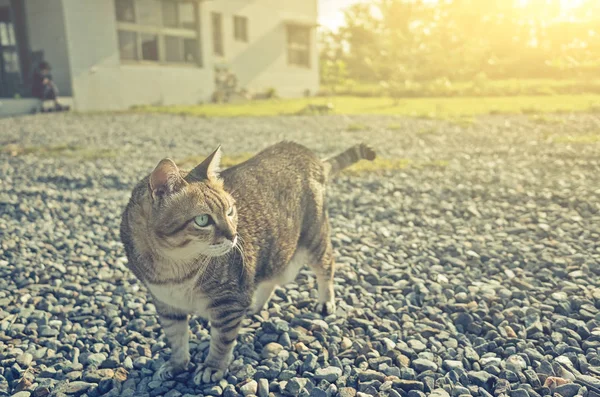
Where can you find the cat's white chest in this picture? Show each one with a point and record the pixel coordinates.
(184, 296)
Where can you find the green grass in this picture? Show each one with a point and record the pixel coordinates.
(356, 127)
(483, 87)
(461, 108)
(60, 151)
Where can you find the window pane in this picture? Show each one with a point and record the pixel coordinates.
(11, 62)
(169, 9)
(293, 57)
(240, 28)
(149, 47)
(303, 58)
(4, 35)
(181, 50)
(179, 15)
(190, 50)
(187, 15)
(298, 35)
(217, 34)
(174, 49)
(148, 12)
(298, 45)
(128, 45)
(124, 10)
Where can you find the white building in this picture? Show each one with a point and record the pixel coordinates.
(114, 54)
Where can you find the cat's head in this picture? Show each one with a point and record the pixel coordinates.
(191, 213)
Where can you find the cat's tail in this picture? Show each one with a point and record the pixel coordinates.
(335, 164)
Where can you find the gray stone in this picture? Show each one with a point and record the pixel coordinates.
(568, 390)
(263, 387)
(78, 388)
(22, 394)
(422, 365)
(95, 359)
(271, 350)
(330, 374)
(294, 386)
(249, 388)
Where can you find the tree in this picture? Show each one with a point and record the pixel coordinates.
(400, 41)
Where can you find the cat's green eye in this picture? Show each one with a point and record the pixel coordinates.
(202, 220)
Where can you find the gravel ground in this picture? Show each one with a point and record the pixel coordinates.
(474, 271)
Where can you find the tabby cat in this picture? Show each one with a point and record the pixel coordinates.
(217, 244)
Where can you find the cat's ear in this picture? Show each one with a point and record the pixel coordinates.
(210, 167)
(165, 179)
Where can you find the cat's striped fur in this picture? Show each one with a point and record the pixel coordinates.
(269, 218)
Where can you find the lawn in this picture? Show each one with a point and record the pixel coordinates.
(484, 87)
(453, 107)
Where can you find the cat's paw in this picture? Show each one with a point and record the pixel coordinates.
(205, 374)
(326, 308)
(170, 369)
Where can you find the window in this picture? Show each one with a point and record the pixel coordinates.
(124, 10)
(240, 28)
(179, 15)
(180, 50)
(158, 31)
(149, 47)
(128, 45)
(217, 29)
(298, 43)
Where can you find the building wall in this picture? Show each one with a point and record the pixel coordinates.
(102, 82)
(87, 65)
(261, 63)
(46, 26)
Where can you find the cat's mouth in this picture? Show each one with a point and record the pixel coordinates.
(221, 248)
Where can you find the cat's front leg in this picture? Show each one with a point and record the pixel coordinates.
(226, 317)
(176, 328)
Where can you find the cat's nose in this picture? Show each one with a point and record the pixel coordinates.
(229, 234)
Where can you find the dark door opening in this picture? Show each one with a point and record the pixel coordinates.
(10, 70)
(15, 55)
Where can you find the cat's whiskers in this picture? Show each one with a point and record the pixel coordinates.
(240, 248)
(203, 269)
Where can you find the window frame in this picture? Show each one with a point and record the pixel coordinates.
(161, 32)
(298, 47)
(240, 28)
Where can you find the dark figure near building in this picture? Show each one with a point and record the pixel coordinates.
(44, 88)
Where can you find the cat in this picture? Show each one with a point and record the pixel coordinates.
(217, 244)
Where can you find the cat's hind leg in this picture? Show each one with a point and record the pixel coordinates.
(262, 295)
(323, 266)
(264, 290)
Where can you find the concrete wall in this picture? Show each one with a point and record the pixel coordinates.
(102, 82)
(46, 25)
(15, 107)
(261, 63)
